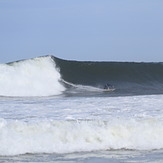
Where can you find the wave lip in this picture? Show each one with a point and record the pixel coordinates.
(52, 136)
(33, 77)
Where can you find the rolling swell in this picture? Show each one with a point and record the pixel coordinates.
(127, 77)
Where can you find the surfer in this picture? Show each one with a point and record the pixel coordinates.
(108, 86)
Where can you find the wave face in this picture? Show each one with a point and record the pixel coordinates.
(126, 77)
(52, 136)
(48, 75)
(33, 77)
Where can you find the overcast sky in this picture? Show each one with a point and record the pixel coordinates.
(97, 30)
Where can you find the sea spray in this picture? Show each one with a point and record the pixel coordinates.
(33, 77)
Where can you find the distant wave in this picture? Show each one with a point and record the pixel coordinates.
(48, 75)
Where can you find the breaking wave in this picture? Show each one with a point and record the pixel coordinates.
(48, 75)
(128, 78)
(33, 77)
(52, 136)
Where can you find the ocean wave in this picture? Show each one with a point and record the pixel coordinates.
(48, 75)
(33, 77)
(128, 78)
(54, 136)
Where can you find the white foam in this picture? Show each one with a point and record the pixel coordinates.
(85, 88)
(52, 136)
(33, 77)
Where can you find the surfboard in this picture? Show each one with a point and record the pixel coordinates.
(109, 90)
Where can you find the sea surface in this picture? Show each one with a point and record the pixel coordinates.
(55, 110)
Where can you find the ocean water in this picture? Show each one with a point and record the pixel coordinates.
(53, 110)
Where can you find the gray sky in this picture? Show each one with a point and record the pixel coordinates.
(97, 30)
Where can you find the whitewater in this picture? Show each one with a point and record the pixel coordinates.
(51, 113)
(34, 77)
